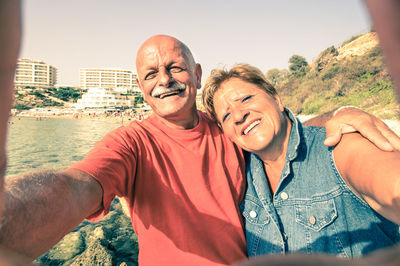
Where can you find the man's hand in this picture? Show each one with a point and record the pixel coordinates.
(351, 119)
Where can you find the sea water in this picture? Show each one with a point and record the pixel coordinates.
(51, 143)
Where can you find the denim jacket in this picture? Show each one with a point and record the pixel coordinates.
(313, 210)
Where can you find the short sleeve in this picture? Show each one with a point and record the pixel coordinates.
(112, 162)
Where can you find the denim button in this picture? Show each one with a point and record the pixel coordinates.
(312, 219)
(253, 214)
(284, 195)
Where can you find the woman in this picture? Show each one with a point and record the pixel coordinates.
(303, 196)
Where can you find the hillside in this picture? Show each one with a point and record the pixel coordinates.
(352, 74)
(38, 98)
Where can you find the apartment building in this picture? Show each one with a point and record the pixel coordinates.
(34, 73)
(117, 79)
(99, 98)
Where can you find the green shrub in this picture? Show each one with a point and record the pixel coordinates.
(20, 106)
(379, 86)
(314, 104)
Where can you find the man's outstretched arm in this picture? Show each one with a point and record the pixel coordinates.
(43, 207)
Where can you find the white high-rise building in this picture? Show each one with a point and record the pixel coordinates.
(117, 79)
(102, 98)
(34, 73)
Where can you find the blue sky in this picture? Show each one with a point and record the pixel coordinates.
(73, 34)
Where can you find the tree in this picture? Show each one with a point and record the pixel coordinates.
(138, 100)
(67, 93)
(20, 106)
(276, 76)
(297, 62)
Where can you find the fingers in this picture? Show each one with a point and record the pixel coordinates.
(340, 124)
(370, 127)
(353, 120)
(376, 132)
(333, 133)
(391, 136)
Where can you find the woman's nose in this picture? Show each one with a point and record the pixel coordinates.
(239, 115)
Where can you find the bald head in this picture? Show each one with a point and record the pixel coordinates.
(156, 41)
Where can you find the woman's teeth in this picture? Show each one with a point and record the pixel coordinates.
(251, 126)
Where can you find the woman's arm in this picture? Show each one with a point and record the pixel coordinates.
(373, 174)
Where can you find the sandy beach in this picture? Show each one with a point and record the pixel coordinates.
(124, 117)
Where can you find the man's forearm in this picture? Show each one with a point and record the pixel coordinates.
(319, 121)
(41, 208)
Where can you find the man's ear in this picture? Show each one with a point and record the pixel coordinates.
(198, 76)
(141, 89)
(138, 83)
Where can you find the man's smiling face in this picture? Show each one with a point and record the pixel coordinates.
(168, 77)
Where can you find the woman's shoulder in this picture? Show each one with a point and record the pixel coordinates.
(312, 135)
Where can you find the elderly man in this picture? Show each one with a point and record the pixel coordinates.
(182, 179)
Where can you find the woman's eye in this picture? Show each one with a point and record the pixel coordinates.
(246, 98)
(225, 117)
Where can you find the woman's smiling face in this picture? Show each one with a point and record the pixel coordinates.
(248, 115)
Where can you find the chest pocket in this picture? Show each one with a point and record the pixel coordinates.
(253, 212)
(317, 215)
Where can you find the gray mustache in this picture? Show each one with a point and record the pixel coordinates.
(176, 86)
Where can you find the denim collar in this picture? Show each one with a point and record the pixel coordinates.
(294, 138)
(255, 166)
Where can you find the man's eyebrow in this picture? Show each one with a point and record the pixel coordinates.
(170, 64)
(150, 69)
(182, 62)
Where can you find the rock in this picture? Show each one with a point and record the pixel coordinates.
(95, 254)
(359, 46)
(69, 247)
(108, 242)
(98, 233)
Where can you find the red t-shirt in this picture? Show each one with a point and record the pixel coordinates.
(183, 188)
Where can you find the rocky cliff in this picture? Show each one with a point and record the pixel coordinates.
(109, 242)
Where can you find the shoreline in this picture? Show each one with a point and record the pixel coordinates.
(126, 118)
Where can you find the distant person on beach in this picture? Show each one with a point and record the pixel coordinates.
(181, 177)
(302, 196)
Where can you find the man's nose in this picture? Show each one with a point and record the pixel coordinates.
(164, 77)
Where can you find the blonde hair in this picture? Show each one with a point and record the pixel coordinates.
(244, 72)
